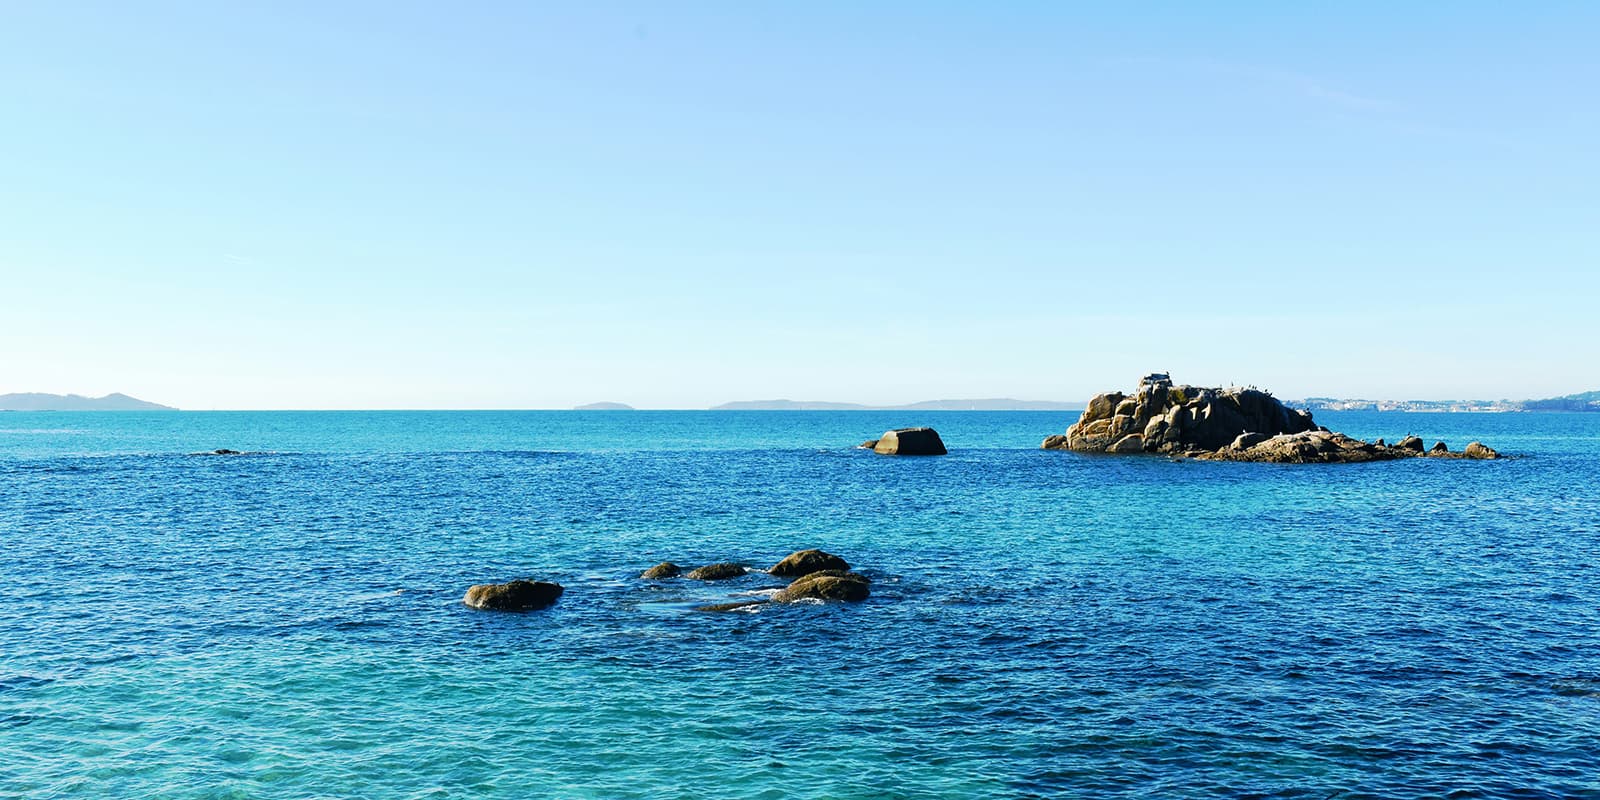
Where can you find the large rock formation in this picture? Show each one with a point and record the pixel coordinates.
(512, 596)
(910, 442)
(1224, 424)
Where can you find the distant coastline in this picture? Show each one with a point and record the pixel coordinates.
(40, 401)
(1582, 402)
(987, 404)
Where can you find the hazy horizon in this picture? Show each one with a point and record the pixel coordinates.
(500, 206)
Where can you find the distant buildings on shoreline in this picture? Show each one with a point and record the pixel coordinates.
(1587, 401)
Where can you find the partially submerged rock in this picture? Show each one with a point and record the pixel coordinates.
(518, 595)
(665, 569)
(826, 585)
(805, 562)
(1224, 425)
(739, 605)
(716, 572)
(910, 442)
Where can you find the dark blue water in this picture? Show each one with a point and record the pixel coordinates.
(1042, 624)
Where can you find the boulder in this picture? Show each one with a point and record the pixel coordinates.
(1132, 443)
(516, 595)
(716, 572)
(1054, 442)
(910, 442)
(1479, 450)
(868, 444)
(1439, 449)
(665, 569)
(1245, 441)
(1412, 443)
(805, 562)
(826, 585)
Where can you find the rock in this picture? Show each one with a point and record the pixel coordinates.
(734, 606)
(1232, 424)
(805, 562)
(1132, 443)
(1245, 441)
(665, 569)
(1439, 448)
(516, 595)
(826, 585)
(716, 572)
(910, 442)
(1479, 450)
(868, 444)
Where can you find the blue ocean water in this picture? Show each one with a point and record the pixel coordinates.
(1042, 624)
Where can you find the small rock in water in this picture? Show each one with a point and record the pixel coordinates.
(826, 585)
(910, 442)
(867, 445)
(1479, 450)
(716, 572)
(805, 562)
(518, 595)
(665, 569)
(1439, 448)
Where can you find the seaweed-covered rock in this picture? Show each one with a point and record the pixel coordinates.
(910, 442)
(518, 595)
(805, 562)
(826, 585)
(716, 572)
(665, 569)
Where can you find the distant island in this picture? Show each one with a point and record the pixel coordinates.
(1585, 401)
(604, 407)
(991, 404)
(39, 401)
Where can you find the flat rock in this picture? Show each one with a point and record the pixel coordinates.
(518, 595)
(717, 572)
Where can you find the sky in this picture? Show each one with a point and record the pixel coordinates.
(673, 205)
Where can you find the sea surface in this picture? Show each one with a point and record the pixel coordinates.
(289, 624)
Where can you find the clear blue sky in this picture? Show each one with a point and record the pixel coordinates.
(522, 205)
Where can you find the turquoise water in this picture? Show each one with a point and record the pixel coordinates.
(1042, 624)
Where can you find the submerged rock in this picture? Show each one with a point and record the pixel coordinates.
(805, 562)
(518, 595)
(739, 605)
(716, 572)
(826, 585)
(1219, 424)
(665, 569)
(910, 442)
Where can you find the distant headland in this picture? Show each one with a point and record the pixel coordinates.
(604, 407)
(990, 404)
(39, 401)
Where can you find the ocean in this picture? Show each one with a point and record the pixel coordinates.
(288, 624)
